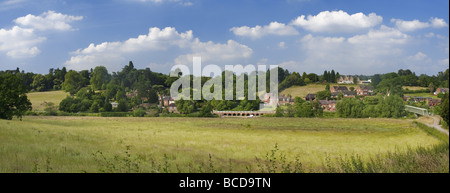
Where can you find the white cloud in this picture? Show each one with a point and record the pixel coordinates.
(417, 25)
(215, 53)
(182, 46)
(49, 20)
(22, 41)
(274, 28)
(19, 42)
(337, 22)
(369, 53)
(385, 35)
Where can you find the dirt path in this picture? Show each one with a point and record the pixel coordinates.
(437, 126)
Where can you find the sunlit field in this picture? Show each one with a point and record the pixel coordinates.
(93, 144)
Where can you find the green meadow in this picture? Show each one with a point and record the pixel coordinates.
(94, 144)
(39, 99)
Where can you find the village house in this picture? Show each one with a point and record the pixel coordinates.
(348, 80)
(421, 99)
(283, 100)
(433, 102)
(364, 90)
(172, 108)
(441, 90)
(132, 94)
(328, 105)
(269, 99)
(310, 97)
(114, 105)
(335, 90)
(167, 100)
(338, 89)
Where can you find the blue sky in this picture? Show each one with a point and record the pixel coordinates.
(349, 36)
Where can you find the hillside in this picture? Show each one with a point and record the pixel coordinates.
(302, 91)
(38, 99)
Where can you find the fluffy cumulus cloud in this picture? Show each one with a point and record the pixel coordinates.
(416, 24)
(337, 22)
(49, 20)
(113, 54)
(19, 42)
(274, 28)
(370, 52)
(22, 40)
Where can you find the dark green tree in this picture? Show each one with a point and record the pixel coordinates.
(13, 98)
(74, 81)
(100, 77)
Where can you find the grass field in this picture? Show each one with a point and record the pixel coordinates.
(302, 91)
(92, 144)
(422, 95)
(414, 88)
(38, 99)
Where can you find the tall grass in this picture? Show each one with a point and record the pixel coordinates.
(197, 145)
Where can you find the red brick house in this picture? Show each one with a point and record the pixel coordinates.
(441, 90)
(310, 97)
(283, 100)
(433, 102)
(172, 108)
(328, 105)
(338, 89)
(364, 90)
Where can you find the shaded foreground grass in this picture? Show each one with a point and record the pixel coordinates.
(91, 144)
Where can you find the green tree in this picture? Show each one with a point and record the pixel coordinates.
(39, 82)
(73, 82)
(13, 98)
(322, 95)
(350, 108)
(100, 77)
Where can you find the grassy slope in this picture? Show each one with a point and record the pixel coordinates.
(72, 144)
(302, 91)
(422, 95)
(37, 99)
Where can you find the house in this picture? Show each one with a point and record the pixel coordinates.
(349, 94)
(338, 89)
(172, 108)
(114, 105)
(132, 94)
(406, 98)
(348, 80)
(364, 90)
(365, 81)
(345, 93)
(283, 100)
(441, 90)
(421, 99)
(328, 105)
(433, 102)
(167, 100)
(310, 97)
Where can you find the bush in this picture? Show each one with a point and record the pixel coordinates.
(139, 112)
